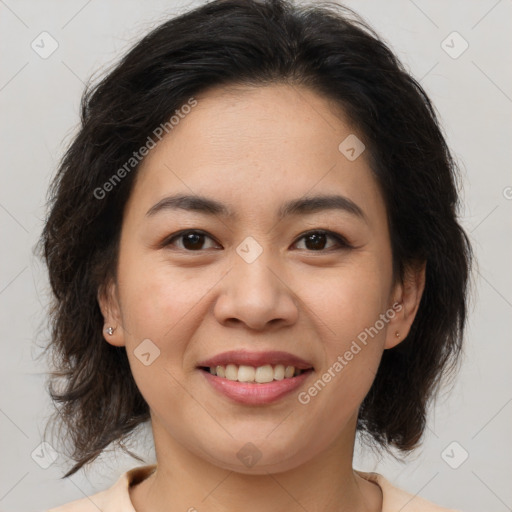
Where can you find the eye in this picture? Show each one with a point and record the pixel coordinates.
(316, 240)
(192, 240)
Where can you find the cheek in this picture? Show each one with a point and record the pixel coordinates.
(157, 304)
(154, 297)
(351, 299)
(164, 305)
(350, 306)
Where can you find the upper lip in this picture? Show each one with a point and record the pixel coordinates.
(243, 357)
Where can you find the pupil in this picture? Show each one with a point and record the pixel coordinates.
(193, 240)
(317, 239)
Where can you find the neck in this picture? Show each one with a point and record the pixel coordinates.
(186, 482)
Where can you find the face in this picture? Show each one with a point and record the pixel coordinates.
(239, 284)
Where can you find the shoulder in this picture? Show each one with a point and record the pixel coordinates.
(114, 499)
(394, 498)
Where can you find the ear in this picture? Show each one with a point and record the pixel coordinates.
(111, 311)
(406, 300)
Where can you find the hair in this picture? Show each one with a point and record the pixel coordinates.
(328, 49)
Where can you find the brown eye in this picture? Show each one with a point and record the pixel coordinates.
(190, 240)
(317, 241)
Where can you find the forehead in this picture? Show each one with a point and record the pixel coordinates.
(253, 146)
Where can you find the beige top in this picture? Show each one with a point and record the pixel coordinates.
(117, 497)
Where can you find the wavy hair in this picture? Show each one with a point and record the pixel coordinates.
(330, 50)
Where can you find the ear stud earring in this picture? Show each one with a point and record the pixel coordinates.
(397, 334)
(110, 330)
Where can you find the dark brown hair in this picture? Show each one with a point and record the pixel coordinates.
(329, 49)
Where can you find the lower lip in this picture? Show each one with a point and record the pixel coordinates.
(252, 393)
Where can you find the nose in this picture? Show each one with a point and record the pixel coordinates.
(256, 294)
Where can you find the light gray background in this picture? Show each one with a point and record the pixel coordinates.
(39, 101)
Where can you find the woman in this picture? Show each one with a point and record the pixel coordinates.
(253, 243)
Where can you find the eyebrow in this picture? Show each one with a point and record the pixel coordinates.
(302, 206)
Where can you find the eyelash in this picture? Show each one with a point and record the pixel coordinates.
(342, 242)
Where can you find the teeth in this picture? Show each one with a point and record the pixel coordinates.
(246, 373)
(231, 372)
(261, 374)
(289, 372)
(279, 372)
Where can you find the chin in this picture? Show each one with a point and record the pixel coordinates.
(258, 457)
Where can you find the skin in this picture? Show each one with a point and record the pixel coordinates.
(253, 149)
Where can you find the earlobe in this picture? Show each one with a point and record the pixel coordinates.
(109, 306)
(408, 294)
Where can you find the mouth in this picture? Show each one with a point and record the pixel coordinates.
(258, 367)
(257, 375)
(255, 378)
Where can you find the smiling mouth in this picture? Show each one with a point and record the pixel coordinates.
(256, 375)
